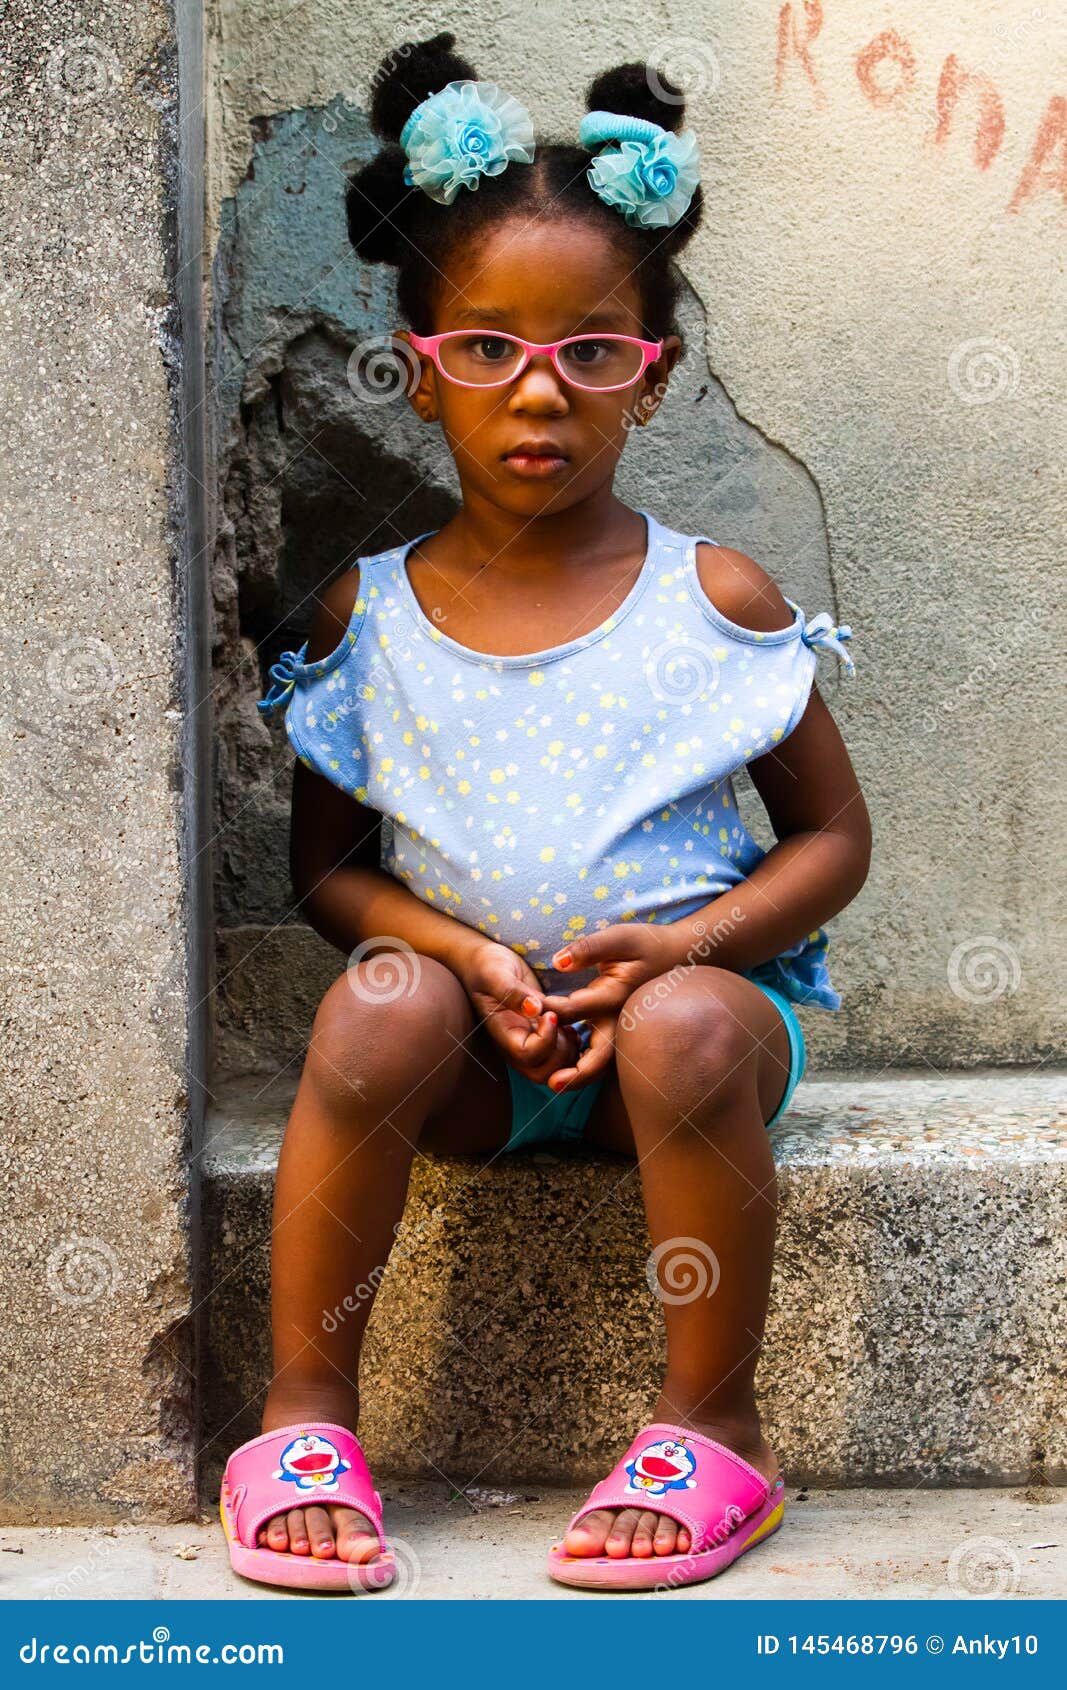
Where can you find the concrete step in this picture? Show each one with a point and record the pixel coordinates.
(916, 1324)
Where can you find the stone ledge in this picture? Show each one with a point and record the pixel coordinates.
(915, 1325)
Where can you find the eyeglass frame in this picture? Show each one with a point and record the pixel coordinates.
(430, 346)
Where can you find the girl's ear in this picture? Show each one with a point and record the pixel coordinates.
(656, 377)
(420, 383)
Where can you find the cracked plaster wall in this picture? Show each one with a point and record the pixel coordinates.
(871, 404)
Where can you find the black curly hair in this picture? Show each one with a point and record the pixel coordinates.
(390, 223)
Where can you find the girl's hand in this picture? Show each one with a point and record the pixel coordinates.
(507, 995)
(595, 1059)
(625, 957)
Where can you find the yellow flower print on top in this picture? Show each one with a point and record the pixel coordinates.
(584, 754)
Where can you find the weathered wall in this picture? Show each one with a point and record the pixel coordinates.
(872, 406)
(94, 1184)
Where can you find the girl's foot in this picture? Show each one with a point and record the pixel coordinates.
(642, 1532)
(325, 1532)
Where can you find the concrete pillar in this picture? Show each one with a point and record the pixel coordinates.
(102, 973)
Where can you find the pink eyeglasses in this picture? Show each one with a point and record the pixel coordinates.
(483, 358)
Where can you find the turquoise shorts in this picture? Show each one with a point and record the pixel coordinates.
(539, 1115)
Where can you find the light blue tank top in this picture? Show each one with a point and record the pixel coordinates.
(539, 797)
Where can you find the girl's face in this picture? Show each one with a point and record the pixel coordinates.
(543, 280)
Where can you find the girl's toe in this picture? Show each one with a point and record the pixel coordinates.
(278, 1534)
(643, 1535)
(298, 1537)
(621, 1534)
(666, 1538)
(320, 1533)
(357, 1541)
(590, 1534)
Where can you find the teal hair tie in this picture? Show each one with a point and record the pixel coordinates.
(650, 176)
(463, 132)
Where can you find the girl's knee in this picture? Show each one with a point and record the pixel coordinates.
(686, 1037)
(391, 1018)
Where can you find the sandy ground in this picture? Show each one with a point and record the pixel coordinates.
(859, 1544)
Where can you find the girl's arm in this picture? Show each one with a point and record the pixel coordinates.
(819, 864)
(821, 860)
(334, 853)
(335, 843)
(344, 893)
(811, 795)
(819, 817)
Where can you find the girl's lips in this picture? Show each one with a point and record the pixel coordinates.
(535, 464)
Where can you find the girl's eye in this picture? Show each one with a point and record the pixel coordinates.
(602, 363)
(490, 348)
(589, 351)
(485, 358)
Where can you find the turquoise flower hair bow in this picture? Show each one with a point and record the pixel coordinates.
(463, 132)
(650, 177)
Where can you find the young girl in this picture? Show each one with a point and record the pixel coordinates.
(547, 698)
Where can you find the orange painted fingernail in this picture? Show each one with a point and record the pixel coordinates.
(529, 1006)
(564, 959)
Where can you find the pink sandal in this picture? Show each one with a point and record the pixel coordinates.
(723, 1503)
(297, 1467)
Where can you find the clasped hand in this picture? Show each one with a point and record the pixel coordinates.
(536, 1029)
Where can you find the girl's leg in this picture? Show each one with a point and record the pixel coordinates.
(698, 1072)
(376, 1072)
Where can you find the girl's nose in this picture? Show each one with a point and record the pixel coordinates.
(539, 385)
